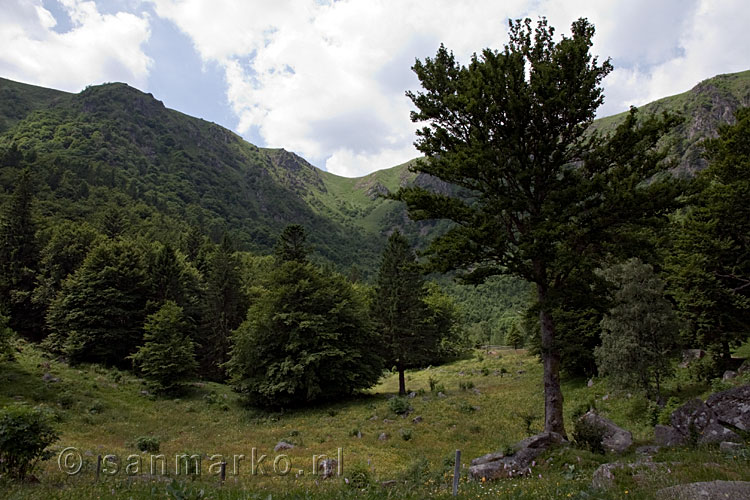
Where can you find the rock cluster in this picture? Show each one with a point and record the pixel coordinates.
(498, 465)
(712, 421)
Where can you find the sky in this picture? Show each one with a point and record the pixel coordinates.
(326, 79)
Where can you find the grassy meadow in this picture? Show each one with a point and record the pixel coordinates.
(488, 402)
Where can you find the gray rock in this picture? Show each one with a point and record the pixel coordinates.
(690, 355)
(417, 419)
(440, 395)
(744, 367)
(387, 421)
(615, 438)
(665, 435)
(327, 468)
(498, 465)
(412, 395)
(713, 490)
(647, 450)
(730, 447)
(388, 484)
(692, 417)
(590, 383)
(383, 436)
(489, 457)
(729, 375)
(716, 433)
(604, 475)
(373, 418)
(732, 407)
(283, 445)
(605, 397)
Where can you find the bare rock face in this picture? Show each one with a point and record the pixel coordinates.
(498, 465)
(615, 439)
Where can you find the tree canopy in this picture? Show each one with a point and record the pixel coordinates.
(537, 196)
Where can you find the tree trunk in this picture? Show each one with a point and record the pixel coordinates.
(553, 397)
(401, 381)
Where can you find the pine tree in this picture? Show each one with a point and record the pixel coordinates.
(167, 357)
(640, 331)
(399, 310)
(19, 259)
(224, 309)
(534, 194)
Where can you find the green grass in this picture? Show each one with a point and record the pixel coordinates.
(103, 411)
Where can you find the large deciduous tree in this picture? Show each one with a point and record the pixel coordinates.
(537, 195)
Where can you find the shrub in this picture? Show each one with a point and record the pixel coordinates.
(25, 434)
(148, 444)
(399, 406)
(666, 413)
(588, 436)
(465, 386)
(406, 434)
(359, 476)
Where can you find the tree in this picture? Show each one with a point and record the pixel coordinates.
(98, 314)
(292, 244)
(535, 195)
(225, 306)
(19, 259)
(6, 338)
(399, 310)
(308, 338)
(167, 357)
(640, 331)
(710, 263)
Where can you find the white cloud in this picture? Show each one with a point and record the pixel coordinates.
(98, 47)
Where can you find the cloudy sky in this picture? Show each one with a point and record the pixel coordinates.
(326, 79)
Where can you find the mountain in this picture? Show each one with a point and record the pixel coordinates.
(113, 145)
(706, 106)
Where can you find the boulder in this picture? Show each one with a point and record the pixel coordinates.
(690, 355)
(615, 438)
(665, 435)
(732, 407)
(383, 436)
(498, 465)
(724, 490)
(716, 433)
(730, 447)
(328, 468)
(728, 375)
(283, 445)
(692, 417)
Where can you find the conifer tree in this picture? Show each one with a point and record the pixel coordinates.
(399, 310)
(19, 259)
(292, 244)
(224, 309)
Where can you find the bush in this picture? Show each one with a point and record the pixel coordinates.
(465, 386)
(665, 414)
(588, 436)
(148, 444)
(406, 434)
(25, 434)
(359, 476)
(399, 406)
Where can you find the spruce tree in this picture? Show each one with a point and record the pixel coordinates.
(224, 308)
(292, 244)
(19, 259)
(399, 310)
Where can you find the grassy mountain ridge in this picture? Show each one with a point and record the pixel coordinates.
(112, 144)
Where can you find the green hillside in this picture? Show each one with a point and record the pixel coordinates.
(706, 106)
